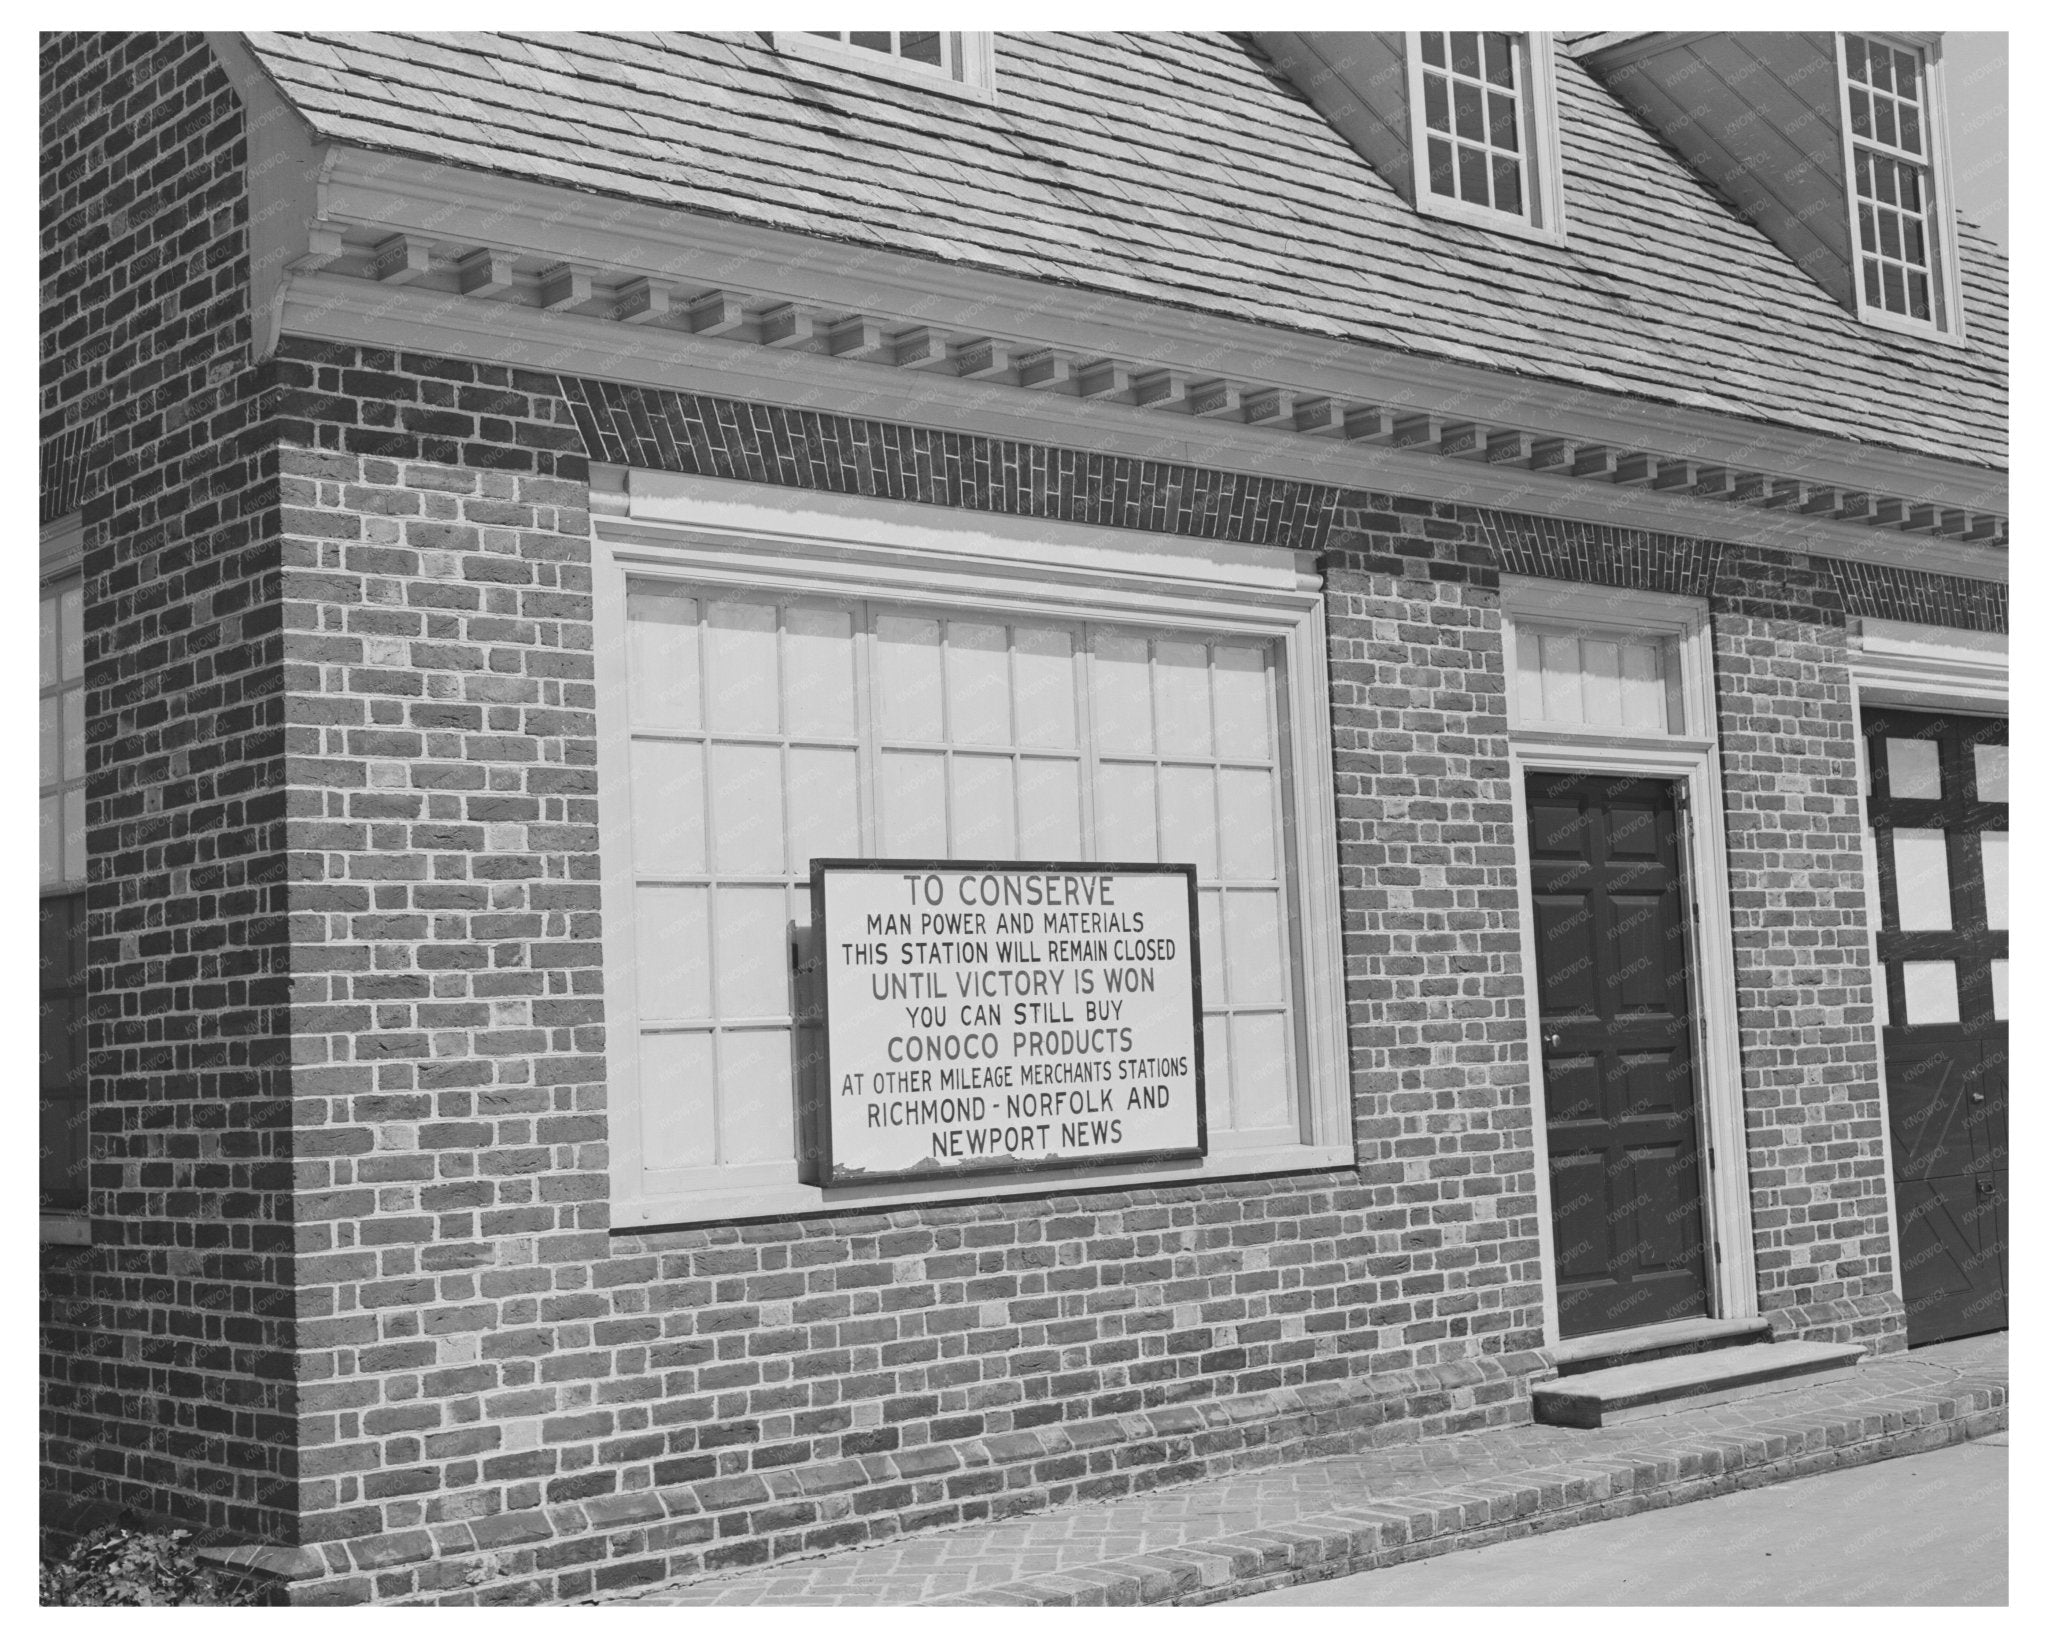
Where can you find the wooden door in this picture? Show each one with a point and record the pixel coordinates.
(1938, 810)
(1615, 1000)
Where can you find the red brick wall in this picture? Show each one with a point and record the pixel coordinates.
(166, 1343)
(502, 1401)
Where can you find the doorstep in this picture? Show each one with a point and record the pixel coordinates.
(1222, 1538)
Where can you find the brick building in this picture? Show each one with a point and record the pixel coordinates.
(511, 503)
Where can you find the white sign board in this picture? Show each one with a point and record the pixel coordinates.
(1007, 1017)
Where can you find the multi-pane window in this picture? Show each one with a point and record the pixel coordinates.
(769, 730)
(1891, 151)
(929, 47)
(1472, 109)
(61, 876)
(917, 55)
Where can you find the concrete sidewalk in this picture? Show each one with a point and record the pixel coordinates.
(1249, 1532)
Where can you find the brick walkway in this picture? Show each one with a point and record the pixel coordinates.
(1224, 1537)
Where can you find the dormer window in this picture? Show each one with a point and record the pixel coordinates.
(1481, 113)
(938, 59)
(1891, 126)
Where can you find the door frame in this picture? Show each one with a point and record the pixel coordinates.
(1914, 668)
(1691, 761)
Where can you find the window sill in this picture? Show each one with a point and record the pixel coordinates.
(1920, 329)
(656, 1212)
(1446, 209)
(66, 1229)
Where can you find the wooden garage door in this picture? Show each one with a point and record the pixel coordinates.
(1938, 810)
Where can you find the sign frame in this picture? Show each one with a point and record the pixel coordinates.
(829, 1175)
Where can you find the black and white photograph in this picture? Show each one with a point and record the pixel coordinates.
(1016, 818)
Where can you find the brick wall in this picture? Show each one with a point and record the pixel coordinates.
(502, 1401)
(166, 1343)
(1819, 1185)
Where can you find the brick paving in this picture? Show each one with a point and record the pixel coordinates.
(1224, 1537)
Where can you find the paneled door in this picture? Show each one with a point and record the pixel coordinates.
(1615, 1000)
(1938, 813)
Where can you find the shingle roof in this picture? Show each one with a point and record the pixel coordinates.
(1181, 168)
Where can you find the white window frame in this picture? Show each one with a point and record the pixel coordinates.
(61, 558)
(1691, 759)
(716, 534)
(969, 69)
(1945, 280)
(1542, 215)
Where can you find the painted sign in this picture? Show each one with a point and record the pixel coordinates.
(1007, 1017)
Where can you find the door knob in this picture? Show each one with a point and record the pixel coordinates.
(1555, 1038)
(1976, 1097)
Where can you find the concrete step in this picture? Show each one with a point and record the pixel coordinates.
(1641, 1343)
(1628, 1393)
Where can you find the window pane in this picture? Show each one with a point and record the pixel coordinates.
(871, 40)
(1469, 103)
(1931, 992)
(50, 841)
(1920, 860)
(1442, 174)
(50, 740)
(1465, 54)
(1187, 802)
(1248, 842)
(1261, 1099)
(74, 835)
(71, 633)
(739, 641)
(1472, 175)
(1880, 67)
(1884, 119)
(1909, 129)
(1995, 887)
(750, 960)
(1123, 694)
(1998, 993)
(661, 659)
(1433, 48)
(817, 672)
(1180, 675)
(1645, 700)
(672, 952)
(1216, 1071)
(984, 808)
(1044, 667)
(919, 48)
(1563, 696)
(1257, 973)
(1916, 295)
(908, 655)
(1436, 102)
(46, 671)
(746, 810)
(1500, 59)
(914, 804)
(1049, 804)
(824, 806)
(1859, 68)
(1126, 817)
(74, 733)
(1859, 112)
(1215, 951)
(668, 808)
(1991, 765)
(756, 1096)
(978, 680)
(1914, 768)
(1241, 704)
(677, 1123)
(1507, 185)
(1500, 122)
(1894, 288)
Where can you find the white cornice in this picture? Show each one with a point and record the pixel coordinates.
(462, 208)
(340, 308)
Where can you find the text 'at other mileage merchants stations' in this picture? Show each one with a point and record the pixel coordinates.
(1007, 1017)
